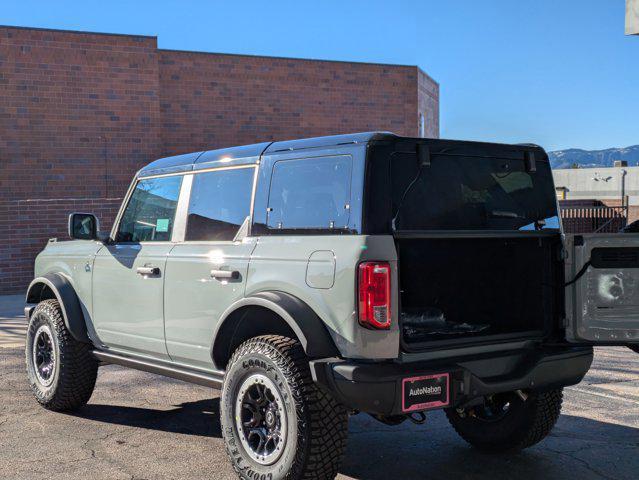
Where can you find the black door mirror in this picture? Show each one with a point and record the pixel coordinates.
(83, 226)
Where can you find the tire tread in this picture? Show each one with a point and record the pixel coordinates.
(78, 368)
(326, 419)
(541, 417)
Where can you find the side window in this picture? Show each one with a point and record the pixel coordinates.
(220, 202)
(311, 193)
(150, 214)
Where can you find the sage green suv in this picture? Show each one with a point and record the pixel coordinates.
(314, 279)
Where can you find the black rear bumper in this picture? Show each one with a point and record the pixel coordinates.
(377, 387)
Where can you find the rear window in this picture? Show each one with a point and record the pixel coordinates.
(457, 192)
(310, 193)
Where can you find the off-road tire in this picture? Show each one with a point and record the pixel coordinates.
(525, 424)
(634, 348)
(75, 369)
(318, 425)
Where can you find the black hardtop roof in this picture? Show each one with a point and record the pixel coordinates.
(250, 154)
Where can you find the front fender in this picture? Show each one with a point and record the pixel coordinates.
(64, 292)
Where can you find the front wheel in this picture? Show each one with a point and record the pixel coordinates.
(276, 422)
(61, 370)
(508, 422)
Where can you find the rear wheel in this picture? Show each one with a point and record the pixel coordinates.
(508, 422)
(276, 422)
(61, 370)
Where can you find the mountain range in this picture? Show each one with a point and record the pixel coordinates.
(593, 158)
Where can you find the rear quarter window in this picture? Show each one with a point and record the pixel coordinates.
(310, 193)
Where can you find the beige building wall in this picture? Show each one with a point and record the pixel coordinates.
(632, 17)
(614, 186)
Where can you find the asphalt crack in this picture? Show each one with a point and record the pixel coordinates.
(583, 462)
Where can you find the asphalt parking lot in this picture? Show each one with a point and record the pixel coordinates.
(141, 426)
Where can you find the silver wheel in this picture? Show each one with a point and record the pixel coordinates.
(44, 358)
(260, 419)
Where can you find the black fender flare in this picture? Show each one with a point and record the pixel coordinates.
(69, 302)
(299, 316)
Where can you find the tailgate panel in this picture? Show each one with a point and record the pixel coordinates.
(606, 298)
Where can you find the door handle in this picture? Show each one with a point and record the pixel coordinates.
(230, 274)
(148, 270)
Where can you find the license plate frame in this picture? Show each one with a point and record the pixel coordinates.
(432, 381)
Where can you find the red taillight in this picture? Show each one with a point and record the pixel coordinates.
(374, 295)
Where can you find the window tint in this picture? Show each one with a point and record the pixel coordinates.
(463, 193)
(220, 202)
(310, 193)
(150, 213)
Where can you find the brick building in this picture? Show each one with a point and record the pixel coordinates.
(81, 112)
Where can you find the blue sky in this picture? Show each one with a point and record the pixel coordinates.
(559, 73)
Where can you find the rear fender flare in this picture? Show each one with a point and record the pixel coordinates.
(69, 302)
(307, 326)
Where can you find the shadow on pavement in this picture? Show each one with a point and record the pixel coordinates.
(577, 448)
(200, 418)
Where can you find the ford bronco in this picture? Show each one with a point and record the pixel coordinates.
(314, 279)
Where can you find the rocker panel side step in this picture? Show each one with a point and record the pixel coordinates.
(213, 380)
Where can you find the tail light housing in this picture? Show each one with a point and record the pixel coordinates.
(374, 295)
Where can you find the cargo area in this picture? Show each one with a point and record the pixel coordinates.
(468, 288)
(478, 239)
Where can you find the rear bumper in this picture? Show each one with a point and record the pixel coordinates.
(377, 387)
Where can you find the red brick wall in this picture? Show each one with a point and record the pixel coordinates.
(81, 112)
(428, 103)
(26, 225)
(78, 112)
(223, 100)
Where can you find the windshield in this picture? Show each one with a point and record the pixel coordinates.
(457, 192)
